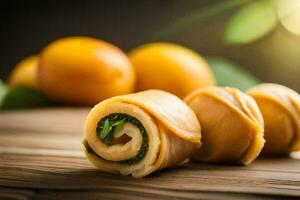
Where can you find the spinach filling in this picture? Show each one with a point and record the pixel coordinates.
(107, 128)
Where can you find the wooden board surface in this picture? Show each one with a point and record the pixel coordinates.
(41, 158)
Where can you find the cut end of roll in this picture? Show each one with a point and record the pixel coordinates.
(137, 134)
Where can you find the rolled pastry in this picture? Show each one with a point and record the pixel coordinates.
(140, 133)
(231, 123)
(280, 107)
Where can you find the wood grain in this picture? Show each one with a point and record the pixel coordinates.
(41, 158)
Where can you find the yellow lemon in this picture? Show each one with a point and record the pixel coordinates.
(170, 67)
(84, 71)
(25, 73)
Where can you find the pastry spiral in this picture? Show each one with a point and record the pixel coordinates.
(139, 133)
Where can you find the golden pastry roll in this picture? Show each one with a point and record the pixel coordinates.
(140, 133)
(280, 107)
(231, 123)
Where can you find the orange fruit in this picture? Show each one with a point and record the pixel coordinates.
(84, 71)
(170, 67)
(25, 73)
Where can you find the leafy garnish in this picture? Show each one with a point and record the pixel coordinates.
(111, 125)
(106, 129)
(86, 146)
(118, 126)
(110, 128)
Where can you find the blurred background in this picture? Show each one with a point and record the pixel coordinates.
(263, 38)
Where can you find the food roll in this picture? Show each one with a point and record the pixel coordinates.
(140, 133)
(232, 125)
(280, 107)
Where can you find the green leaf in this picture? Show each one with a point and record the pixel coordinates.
(3, 90)
(20, 97)
(86, 146)
(109, 138)
(198, 17)
(228, 74)
(251, 22)
(118, 126)
(106, 129)
(116, 120)
(110, 129)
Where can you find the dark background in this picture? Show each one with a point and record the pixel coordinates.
(27, 26)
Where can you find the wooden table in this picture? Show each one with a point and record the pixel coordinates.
(41, 158)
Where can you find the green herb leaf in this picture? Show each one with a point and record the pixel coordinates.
(86, 146)
(251, 22)
(115, 122)
(106, 129)
(20, 97)
(109, 138)
(229, 74)
(118, 126)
